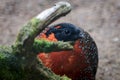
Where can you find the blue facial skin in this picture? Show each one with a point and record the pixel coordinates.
(66, 32)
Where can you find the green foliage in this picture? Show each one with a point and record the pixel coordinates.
(19, 62)
(42, 45)
(9, 65)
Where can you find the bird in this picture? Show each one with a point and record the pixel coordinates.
(81, 63)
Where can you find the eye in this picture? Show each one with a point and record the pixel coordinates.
(66, 32)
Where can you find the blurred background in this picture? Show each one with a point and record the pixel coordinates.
(101, 18)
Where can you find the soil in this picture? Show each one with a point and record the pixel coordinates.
(101, 18)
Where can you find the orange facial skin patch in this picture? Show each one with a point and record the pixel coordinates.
(51, 37)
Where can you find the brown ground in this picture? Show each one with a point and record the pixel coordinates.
(101, 18)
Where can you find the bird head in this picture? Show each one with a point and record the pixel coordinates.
(64, 32)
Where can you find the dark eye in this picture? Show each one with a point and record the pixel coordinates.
(66, 32)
